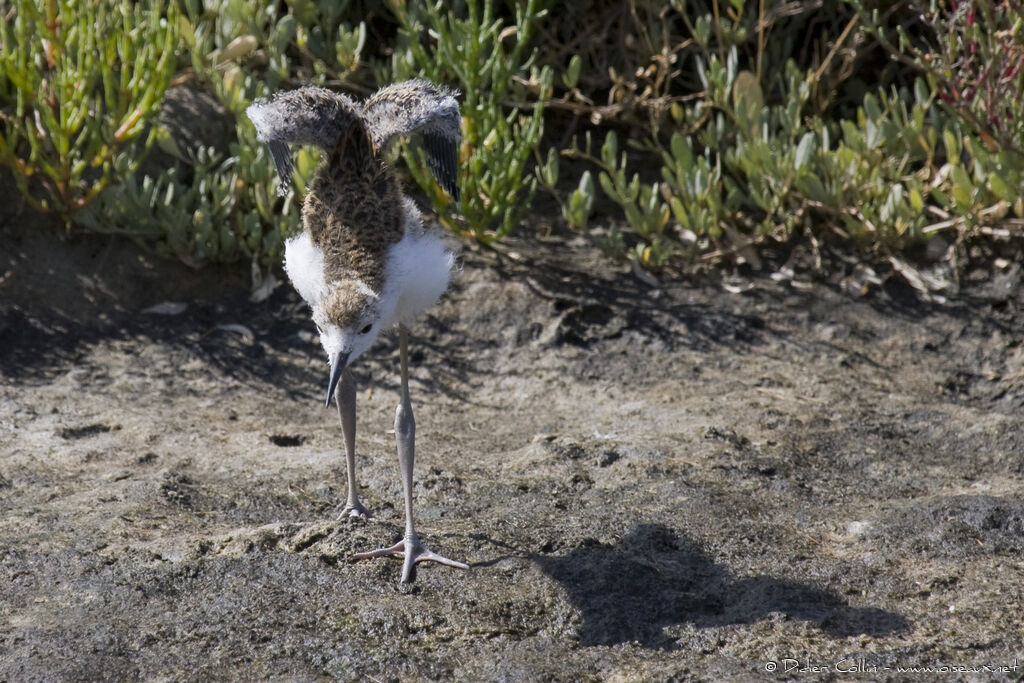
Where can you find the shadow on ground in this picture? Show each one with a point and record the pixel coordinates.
(655, 578)
(602, 303)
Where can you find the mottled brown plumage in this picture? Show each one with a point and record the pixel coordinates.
(353, 212)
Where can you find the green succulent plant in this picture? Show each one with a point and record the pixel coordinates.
(85, 81)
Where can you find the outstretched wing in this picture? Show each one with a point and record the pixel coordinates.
(418, 106)
(307, 116)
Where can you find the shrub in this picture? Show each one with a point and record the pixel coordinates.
(972, 55)
(710, 127)
(221, 205)
(217, 205)
(87, 80)
(743, 168)
(498, 83)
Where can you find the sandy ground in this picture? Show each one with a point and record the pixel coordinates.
(682, 482)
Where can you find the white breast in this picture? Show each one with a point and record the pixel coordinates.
(418, 269)
(304, 263)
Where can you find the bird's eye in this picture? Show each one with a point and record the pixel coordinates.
(366, 330)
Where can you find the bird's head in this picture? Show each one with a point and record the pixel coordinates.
(349, 320)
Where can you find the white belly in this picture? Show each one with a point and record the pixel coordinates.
(304, 263)
(418, 272)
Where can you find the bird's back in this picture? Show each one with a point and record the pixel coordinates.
(353, 210)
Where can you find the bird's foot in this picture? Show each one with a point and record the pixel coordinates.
(354, 509)
(413, 551)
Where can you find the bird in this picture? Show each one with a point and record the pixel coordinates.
(364, 261)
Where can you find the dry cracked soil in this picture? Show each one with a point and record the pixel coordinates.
(769, 479)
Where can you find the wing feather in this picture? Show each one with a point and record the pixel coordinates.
(306, 116)
(419, 107)
(442, 157)
(283, 162)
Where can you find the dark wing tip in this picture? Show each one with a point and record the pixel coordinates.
(283, 161)
(443, 159)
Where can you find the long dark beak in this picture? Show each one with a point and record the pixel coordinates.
(338, 364)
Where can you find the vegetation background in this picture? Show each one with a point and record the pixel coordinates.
(675, 134)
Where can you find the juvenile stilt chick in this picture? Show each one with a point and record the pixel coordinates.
(364, 261)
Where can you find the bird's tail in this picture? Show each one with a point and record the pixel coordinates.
(307, 116)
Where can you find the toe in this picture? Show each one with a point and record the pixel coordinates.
(356, 510)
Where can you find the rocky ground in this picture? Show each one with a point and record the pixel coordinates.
(700, 480)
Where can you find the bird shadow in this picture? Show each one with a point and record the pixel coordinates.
(654, 578)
